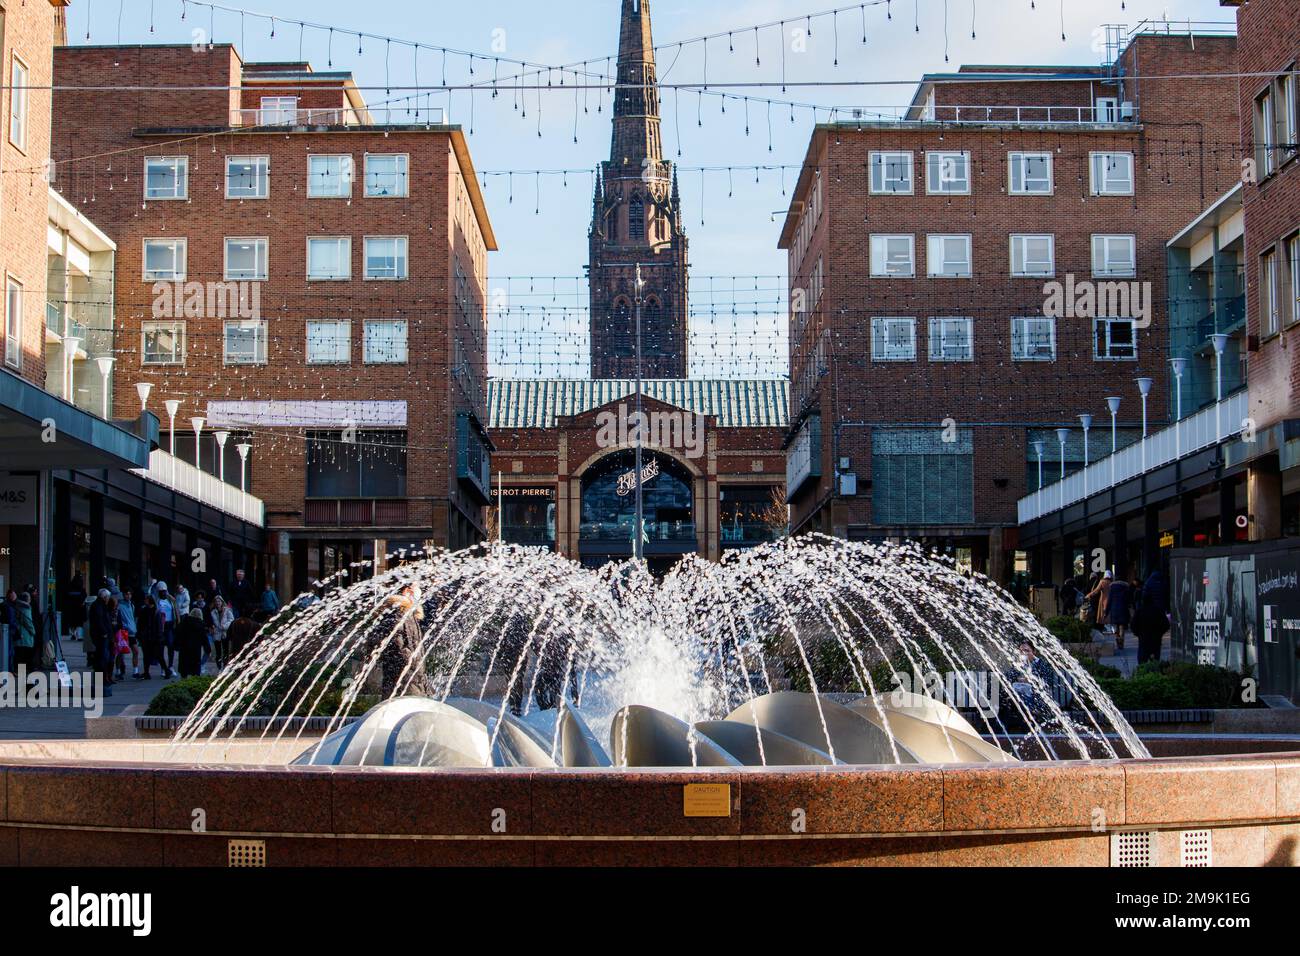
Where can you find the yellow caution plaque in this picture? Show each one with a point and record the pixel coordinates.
(706, 800)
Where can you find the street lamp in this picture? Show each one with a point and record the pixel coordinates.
(143, 389)
(1144, 386)
(197, 423)
(222, 437)
(1179, 366)
(173, 406)
(637, 547)
(1038, 448)
(1086, 421)
(1061, 435)
(1113, 404)
(105, 363)
(1220, 346)
(70, 345)
(243, 448)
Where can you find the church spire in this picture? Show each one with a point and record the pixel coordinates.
(636, 100)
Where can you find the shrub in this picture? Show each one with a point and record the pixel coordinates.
(178, 699)
(1209, 686)
(1147, 690)
(1069, 630)
(1098, 670)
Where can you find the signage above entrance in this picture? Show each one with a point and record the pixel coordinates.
(17, 499)
(627, 481)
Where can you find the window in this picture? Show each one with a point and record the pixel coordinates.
(329, 343)
(922, 476)
(948, 256)
(164, 260)
(385, 342)
(952, 339)
(166, 177)
(329, 258)
(1033, 256)
(1114, 339)
(371, 466)
(636, 218)
(18, 104)
(245, 342)
(1268, 294)
(947, 172)
(1107, 109)
(1275, 124)
(893, 256)
(245, 260)
(1112, 174)
(1114, 255)
(278, 111)
(329, 177)
(1293, 270)
(13, 323)
(891, 172)
(893, 340)
(162, 343)
(1266, 132)
(248, 177)
(1031, 173)
(385, 257)
(1033, 339)
(386, 174)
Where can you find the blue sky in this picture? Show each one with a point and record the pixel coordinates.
(737, 319)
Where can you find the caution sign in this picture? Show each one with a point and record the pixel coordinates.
(706, 800)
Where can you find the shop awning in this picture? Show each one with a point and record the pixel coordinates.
(39, 431)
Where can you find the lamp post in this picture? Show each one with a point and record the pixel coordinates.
(1144, 386)
(1113, 404)
(173, 406)
(1179, 366)
(1086, 421)
(1038, 448)
(637, 547)
(222, 437)
(105, 363)
(70, 345)
(197, 423)
(1061, 435)
(143, 389)
(243, 448)
(1220, 342)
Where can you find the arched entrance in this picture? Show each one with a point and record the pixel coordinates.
(609, 509)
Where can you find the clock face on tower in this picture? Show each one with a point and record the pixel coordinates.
(637, 222)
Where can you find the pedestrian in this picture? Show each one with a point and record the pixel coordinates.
(242, 598)
(270, 600)
(102, 631)
(127, 617)
(1149, 624)
(149, 627)
(25, 633)
(181, 599)
(1119, 609)
(1097, 599)
(9, 618)
(238, 636)
(168, 619)
(191, 643)
(221, 618)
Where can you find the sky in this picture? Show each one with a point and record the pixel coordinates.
(732, 210)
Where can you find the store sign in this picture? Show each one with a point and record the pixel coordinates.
(18, 499)
(1167, 539)
(627, 481)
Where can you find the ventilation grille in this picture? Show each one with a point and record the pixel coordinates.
(1133, 849)
(1196, 848)
(246, 853)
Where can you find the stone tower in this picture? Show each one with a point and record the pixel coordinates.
(636, 219)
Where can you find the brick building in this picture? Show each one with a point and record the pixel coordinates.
(306, 275)
(930, 348)
(713, 469)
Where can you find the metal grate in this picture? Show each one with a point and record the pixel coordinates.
(1133, 849)
(1196, 848)
(246, 853)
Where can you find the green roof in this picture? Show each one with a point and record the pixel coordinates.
(736, 403)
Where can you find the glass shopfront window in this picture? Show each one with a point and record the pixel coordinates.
(748, 515)
(609, 500)
(527, 516)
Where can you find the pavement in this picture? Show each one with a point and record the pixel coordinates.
(1126, 660)
(55, 723)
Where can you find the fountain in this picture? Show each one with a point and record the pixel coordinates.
(808, 701)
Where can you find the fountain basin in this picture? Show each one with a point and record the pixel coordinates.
(134, 802)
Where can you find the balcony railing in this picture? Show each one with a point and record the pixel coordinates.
(622, 530)
(185, 479)
(342, 116)
(1210, 426)
(985, 114)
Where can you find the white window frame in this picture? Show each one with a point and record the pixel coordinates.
(1023, 239)
(940, 328)
(404, 176)
(15, 302)
(936, 181)
(1291, 254)
(181, 169)
(1106, 109)
(1102, 246)
(264, 180)
(879, 243)
(347, 175)
(259, 341)
(271, 111)
(881, 325)
(1020, 335)
(402, 265)
(936, 246)
(346, 258)
(1100, 174)
(1109, 322)
(180, 257)
(367, 356)
(261, 258)
(878, 163)
(1270, 319)
(1019, 160)
(343, 326)
(19, 102)
(177, 327)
